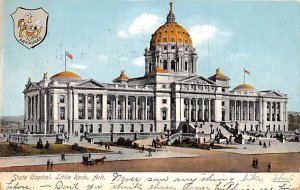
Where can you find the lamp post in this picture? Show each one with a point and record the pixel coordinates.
(58, 131)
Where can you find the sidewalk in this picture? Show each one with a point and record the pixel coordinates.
(118, 153)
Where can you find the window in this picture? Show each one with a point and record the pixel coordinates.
(165, 47)
(132, 128)
(91, 128)
(80, 114)
(223, 103)
(62, 99)
(98, 100)
(173, 66)
(164, 114)
(142, 128)
(165, 66)
(81, 128)
(122, 128)
(100, 128)
(80, 99)
(62, 113)
(90, 99)
(165, 127)
(172, 47)
(151, 127)
(111, 128)
(185, 66)
(90, 114)
(164, 101)
(223, 89)
(98, 114)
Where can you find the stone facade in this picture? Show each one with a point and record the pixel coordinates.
(170, 96)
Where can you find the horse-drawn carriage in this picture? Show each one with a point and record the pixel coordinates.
(86, 160)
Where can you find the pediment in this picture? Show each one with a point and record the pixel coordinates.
(197, 80)
(272, 94)
(90, 84)
(31, 86)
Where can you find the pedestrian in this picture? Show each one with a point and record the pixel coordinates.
(51, 166)
(150, 152)
(48, 164)
(256, 163)
(153, 143)
(265, 145)
(259, 143)
(143, 148)
(253, 163)
(269, 143)
(269, 167)
(63, 157)
(108, 147)
(105, 146)
(90, 156)
(204, 140)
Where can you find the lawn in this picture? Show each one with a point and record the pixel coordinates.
(27, 150)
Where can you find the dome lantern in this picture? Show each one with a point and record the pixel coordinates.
(171, 16)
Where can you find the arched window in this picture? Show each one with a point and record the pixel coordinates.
(165, 65)
(173, 66)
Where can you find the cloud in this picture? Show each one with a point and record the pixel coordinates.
(102, 57)
(139, 61)
(78, 66)
(144, 23)
(202, 33)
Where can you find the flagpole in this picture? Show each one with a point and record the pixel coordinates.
(65, 61)
(244, 76)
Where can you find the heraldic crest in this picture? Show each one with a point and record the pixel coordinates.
(30, 26)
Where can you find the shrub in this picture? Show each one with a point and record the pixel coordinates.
(124, 142)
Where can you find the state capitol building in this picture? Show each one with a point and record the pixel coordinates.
(170, 96)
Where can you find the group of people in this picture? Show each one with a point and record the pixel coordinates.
(264, 145)
(49, 165)
(255, 165)
(107, 147)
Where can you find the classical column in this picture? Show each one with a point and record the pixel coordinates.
(286, 112)
(234, 110)
(209, 111)
(196, 111)
(203, 111)
(136, 108)
(116, 111)
(190, 109)
(126, 107)
(85, 106)
(94, 106)
(254, 111)
(146, 107)
(38, 107)
(104, 107)
(275, 111)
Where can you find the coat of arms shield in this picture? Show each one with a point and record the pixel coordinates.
(30, 26)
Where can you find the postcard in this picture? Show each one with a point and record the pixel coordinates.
(149, 94)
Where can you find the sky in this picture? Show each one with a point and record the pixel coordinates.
(106, 37)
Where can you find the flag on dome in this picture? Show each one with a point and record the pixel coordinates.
(246, 71)
(69, 55)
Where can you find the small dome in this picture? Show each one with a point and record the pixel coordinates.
(122, 77)
(244, 87)
(218, 76)
(66, 75)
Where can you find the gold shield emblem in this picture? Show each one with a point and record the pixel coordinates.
(30, 26)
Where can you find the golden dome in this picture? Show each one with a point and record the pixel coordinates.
(121, 77)
(218, 75)
(244, 87)
(65, 74)
(157, 70)
(171, 32)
